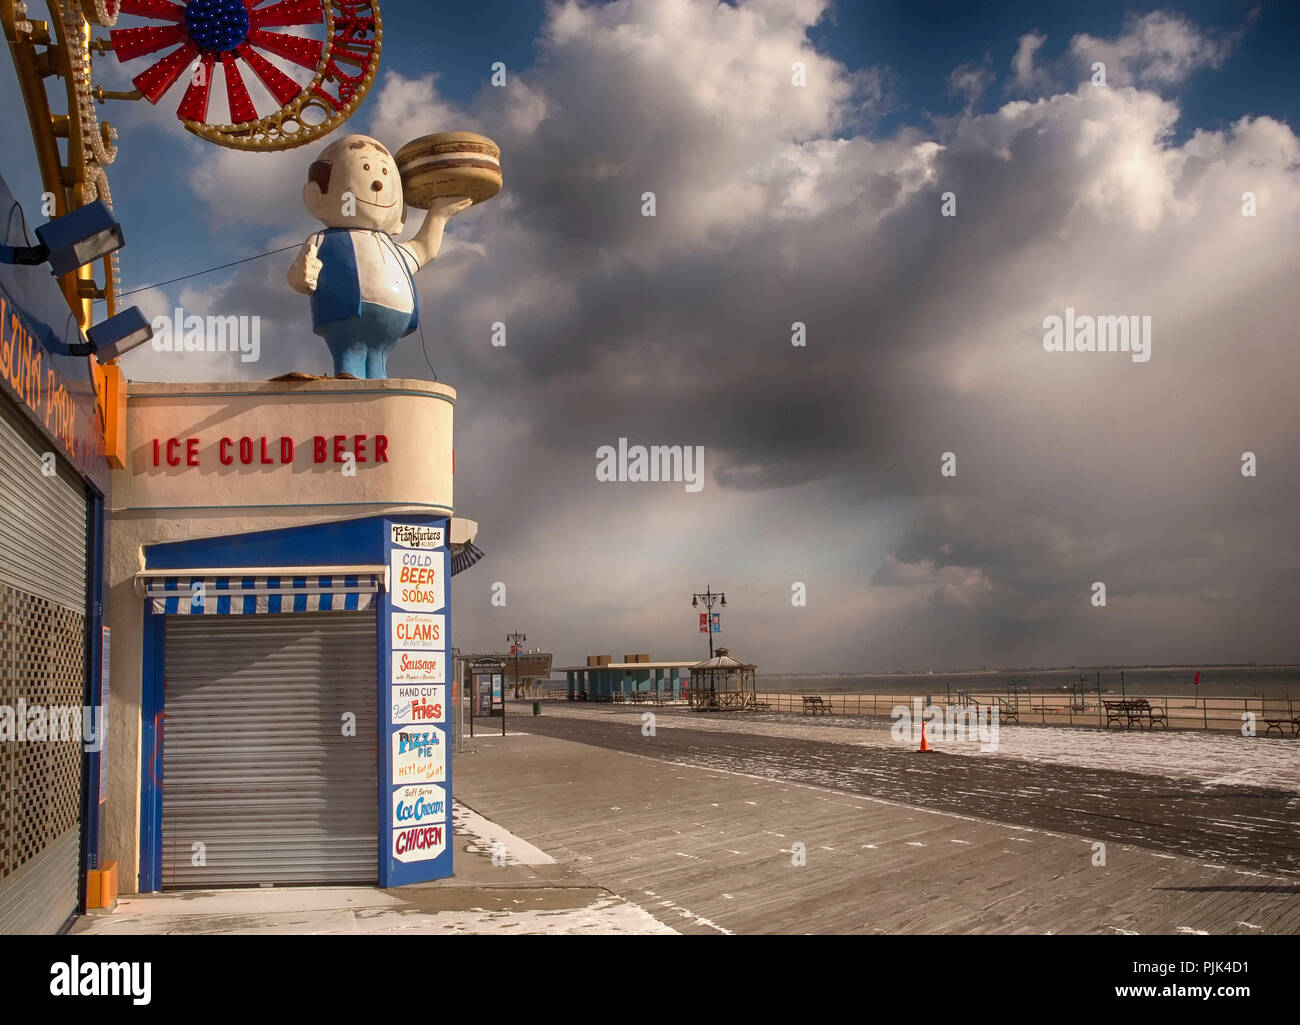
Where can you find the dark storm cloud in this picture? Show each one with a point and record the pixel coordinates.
(924, 335)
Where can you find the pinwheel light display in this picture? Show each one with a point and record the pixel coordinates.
(337, 41)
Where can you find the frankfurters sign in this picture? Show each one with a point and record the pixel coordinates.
(414, 535)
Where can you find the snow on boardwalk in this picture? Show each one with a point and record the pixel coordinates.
(1214, 759)
(712, 851)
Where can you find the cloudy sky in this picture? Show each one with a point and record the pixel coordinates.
(822, 203)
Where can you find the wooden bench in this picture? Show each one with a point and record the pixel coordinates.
(1137, 711)
(815, 704)
(1008, 711)
(1152, 714)
(1278, 724)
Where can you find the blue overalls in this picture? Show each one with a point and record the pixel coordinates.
(359, 333)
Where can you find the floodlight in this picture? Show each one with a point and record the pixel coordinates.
(115, 336)
(71, 241)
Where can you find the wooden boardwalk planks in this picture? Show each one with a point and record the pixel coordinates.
(706, 851)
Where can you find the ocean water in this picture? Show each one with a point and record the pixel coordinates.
(1216, 681)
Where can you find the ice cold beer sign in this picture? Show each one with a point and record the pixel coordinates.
(417, 723)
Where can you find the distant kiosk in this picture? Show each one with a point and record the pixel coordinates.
(722, 684)
(636, 679)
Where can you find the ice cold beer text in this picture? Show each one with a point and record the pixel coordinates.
(264, 451)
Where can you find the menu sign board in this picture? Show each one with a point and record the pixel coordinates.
(418, 763)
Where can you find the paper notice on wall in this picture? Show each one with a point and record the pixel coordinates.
(103, 715)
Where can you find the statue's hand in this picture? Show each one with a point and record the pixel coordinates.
(311, 268)
(428, 240)
(449, 206)
(305, 270)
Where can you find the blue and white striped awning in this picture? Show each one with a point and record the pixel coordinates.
(250, 595)
(464, 556)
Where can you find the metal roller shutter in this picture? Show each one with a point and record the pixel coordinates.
(256, 766)
(42, 521)
(42, 662)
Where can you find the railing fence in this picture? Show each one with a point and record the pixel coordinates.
(1047, 708)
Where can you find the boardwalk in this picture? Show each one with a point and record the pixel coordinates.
(699, 827)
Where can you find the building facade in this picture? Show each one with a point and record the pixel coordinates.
(54, 483)
(279, 595)
(603, 679)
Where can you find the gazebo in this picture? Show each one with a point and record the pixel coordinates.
(722, 684)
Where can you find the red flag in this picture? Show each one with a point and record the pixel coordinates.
(1197, 681)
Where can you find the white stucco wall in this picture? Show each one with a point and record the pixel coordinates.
(152, 504)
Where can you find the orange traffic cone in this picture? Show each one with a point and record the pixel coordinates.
(925, 747)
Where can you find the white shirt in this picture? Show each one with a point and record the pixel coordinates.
(384, 269)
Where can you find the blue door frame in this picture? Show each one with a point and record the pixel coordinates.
(361, 541)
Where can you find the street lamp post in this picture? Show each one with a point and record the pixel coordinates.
(709, 597)
(514, 640)
(458, 698)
